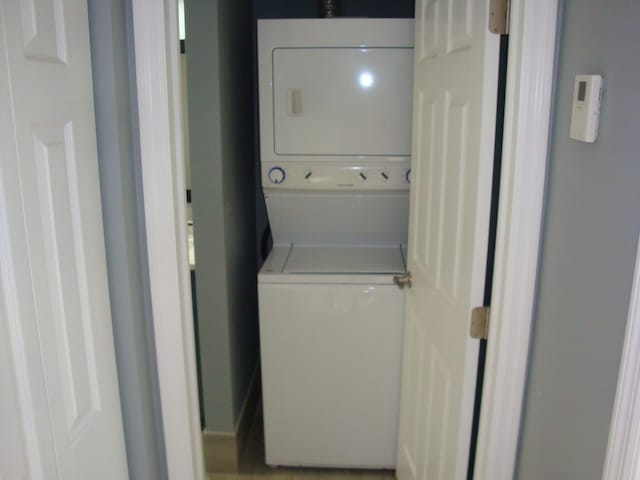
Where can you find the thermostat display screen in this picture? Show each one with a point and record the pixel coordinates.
(582, 90)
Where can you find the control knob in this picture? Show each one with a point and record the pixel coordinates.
(277, 175)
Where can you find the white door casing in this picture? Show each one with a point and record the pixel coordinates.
(155, 28)
(455, 89)
(528, 100)
(623, 450)
(59, 402)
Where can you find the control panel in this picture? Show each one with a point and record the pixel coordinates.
(323, 176)
(585, 114)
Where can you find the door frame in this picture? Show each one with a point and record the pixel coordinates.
(157, 71)
(527, 122)
(532, 44)
(623, 451)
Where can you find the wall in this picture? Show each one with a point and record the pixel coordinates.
(587, 260)
(219, 72)
(115, 109)
(347, 8)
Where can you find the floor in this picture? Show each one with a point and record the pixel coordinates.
(252, 465)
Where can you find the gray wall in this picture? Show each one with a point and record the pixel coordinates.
(590, 234)
(114, 93)
(220, 83)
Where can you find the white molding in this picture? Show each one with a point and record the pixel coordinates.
(155, 25)
(623, 452)
(532, 41)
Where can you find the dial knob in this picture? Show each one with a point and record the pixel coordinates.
(407, 175)
(277, 175)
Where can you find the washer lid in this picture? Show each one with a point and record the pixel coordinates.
(345, 259)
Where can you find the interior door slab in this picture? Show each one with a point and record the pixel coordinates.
(455, 87)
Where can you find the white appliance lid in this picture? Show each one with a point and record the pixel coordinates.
(345, 259)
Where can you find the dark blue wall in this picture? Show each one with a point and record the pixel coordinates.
(347, 8)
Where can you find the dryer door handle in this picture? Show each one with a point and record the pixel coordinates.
(402, 280)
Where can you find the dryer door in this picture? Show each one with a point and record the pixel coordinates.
(342, 101)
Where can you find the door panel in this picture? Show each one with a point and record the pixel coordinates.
(64, 277)
(43, 30)
(62, 401)
(455, 86)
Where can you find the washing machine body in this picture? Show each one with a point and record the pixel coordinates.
(331, 341)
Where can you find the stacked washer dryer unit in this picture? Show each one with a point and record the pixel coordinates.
(335, 135)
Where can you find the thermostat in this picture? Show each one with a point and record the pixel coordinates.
(587, 92)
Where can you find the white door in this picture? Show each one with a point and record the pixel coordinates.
(455, 86)
(59, 402)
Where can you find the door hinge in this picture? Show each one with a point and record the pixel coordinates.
(499, 16)
(480, 322)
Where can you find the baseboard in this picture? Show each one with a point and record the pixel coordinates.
(223, 450)
(248, 410)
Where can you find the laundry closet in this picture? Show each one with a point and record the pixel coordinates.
(355, 234)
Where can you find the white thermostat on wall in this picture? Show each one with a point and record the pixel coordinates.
(587, 92)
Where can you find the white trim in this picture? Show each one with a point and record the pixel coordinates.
(155, 26)
(532, 42)
(623, 452)
(528, 106)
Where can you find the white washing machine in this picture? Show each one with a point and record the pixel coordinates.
(335, 123)
(331, 341)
